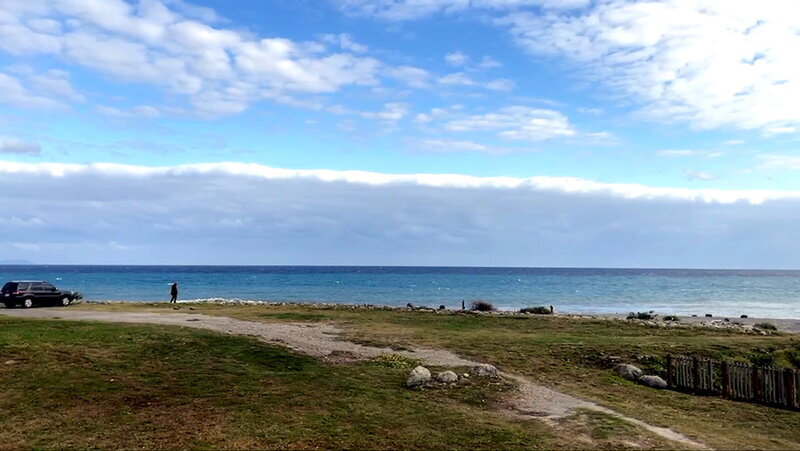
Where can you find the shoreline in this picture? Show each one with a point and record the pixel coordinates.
(790, 325)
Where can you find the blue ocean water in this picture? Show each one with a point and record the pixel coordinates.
(768, 294)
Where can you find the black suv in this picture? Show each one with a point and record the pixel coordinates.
(28, 293)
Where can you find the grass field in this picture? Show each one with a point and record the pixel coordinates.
(96, 385)
(574, 356)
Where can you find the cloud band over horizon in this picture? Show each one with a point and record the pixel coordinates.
(236, 213)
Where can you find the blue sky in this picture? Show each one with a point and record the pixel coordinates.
(692, 96)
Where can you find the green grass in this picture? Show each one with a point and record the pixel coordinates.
(85, 384)
(575, 356)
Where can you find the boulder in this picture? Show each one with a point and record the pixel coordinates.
(418, 376)
(484, 370)
(447, 377)
(652, 381)
(629, 372)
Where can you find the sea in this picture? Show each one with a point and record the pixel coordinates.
(722, 293)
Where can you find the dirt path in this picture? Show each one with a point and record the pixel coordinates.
(324, 341)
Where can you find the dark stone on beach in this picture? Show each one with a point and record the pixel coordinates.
(629, 372)
(709, 315)
(652, 381)
(441, 307)
(694, 316)
(743, 316)
(409, 305)
(727, 320)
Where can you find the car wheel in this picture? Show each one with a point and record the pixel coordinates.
(27, 303)
(65, 301)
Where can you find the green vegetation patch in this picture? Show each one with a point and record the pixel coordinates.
(395, 361)
(70, 384)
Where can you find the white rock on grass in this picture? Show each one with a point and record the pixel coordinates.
(418, 376)
(484, 370)
(447, 377)
(629, 372)
(652, 381)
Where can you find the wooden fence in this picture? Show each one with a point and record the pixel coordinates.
(775, 386)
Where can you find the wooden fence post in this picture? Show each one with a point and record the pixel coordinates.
(726, 379)
(670, 379)
(790, 385)
(757, 380)
(696, 374)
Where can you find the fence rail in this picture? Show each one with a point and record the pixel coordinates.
(775, 386)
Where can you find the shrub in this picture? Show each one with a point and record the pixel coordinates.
(765, 326)
(671, 318)
(395, 361)
(483, 306)
(540, 310)
(641, 315)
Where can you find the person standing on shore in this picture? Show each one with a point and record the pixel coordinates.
(173, 292)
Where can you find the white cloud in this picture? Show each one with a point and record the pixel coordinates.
(487, 62)
(219, 70)
(447, 145)
(500, 84)
(144, 111)
(517, 123)
(456, 78)
(345, 42)
(689, 153)
(711, 64)
(392, 112)
(170, 215)
(456, 59)
(13, 92)
(410, 75)
(676, 153)
(416, 9)
(438, 114)
(779, 161)
(698, 175)
(17, 147)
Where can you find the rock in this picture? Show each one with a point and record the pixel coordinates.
(743, 316)
(652, 381)
(447, 377)
(441, 307)
(709, 315)
(418, 376)
(629, 372)
(465, 375)
(484, 370)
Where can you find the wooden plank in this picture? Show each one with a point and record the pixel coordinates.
(790, 392)
(757, 383)
(727, 388)
(696, 374)
(670, 381)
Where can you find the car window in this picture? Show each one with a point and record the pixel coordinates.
(36, 286)
(48, 287)
(23, 287)
(10, 286)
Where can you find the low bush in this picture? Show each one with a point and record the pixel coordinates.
(641, 315)
(765, 326)
(540, 310)
(483, 306)
(395, 361)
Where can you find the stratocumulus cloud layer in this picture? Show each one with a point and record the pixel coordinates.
(228, 213)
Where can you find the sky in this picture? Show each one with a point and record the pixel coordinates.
(605, 133)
